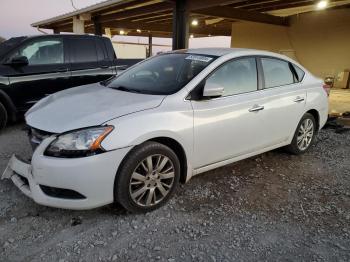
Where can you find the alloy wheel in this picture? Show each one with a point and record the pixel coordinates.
(152, 180)
(305, 134)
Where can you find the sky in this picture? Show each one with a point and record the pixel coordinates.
(17, 15)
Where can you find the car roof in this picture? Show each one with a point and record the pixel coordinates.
(214, 51)
(225, 51)
(58, 35)
(219, 52)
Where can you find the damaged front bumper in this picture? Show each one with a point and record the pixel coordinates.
(70, 183)
(20, 173)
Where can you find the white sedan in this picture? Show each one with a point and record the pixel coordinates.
(133, 138)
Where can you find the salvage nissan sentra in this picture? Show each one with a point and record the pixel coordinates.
(133, 138)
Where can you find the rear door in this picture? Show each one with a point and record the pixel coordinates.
(283, 98)
(47, 71)
(89, 60)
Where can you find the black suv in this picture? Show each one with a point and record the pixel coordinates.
(34, 67)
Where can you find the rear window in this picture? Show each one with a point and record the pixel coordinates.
(276, 72)
(83, 50)
(101, 55)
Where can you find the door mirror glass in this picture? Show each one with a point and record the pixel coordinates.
(213, 90)
(19, 60)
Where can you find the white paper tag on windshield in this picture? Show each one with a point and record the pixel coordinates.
(199, 58)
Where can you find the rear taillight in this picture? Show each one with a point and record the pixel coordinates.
(327, 88)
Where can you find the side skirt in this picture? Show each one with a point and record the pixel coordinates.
(235, 159)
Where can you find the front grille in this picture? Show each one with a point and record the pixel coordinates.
(61, 192)
(36, 136)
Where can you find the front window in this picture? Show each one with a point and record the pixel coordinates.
(237, 76)
(162, 75)
(42, 52)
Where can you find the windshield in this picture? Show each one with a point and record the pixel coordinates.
(162, 75)
(9, 44)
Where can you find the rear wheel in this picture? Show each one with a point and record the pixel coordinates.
(3, 116)
(147, 177)
(304, 135)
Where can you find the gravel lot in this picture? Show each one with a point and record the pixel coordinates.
(271, 207)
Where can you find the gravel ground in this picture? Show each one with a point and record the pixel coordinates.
(271, 207)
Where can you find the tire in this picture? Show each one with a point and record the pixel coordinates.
(140, 190)
(297, 147)
(3, 116)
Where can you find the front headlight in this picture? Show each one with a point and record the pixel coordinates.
(80, 143)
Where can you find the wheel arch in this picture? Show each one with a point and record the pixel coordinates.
(174, 145)
(178, 150)
(316, 115)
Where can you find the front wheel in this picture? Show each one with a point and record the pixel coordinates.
(147, 177)
(304, 135)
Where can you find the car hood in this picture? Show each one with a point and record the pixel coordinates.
(84, 106)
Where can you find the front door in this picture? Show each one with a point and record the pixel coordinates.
(47, 71)
(229, 126)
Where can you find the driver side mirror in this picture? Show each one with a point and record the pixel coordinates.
(18, 61)
(213, 90)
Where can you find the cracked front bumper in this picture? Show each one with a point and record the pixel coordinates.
(92, 177)
(20, 174)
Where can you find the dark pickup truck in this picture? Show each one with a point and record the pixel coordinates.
(34, 67)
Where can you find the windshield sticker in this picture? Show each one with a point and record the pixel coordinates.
(199, 58)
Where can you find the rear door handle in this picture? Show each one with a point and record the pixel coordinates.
(256, 108)
(104, 66)
(299, 99)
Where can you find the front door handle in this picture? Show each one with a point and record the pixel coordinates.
(299, 99)
(256, 108)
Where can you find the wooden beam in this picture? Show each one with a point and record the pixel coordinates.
(152, 17)
(247, 4)
(243, 15)
(127, 5)
(281, 5)
(201, 4)
(97, 25)
(147, 10)
(167, 28)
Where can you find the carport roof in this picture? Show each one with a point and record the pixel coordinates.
(215, 17)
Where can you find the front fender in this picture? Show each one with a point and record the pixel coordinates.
(136, 128)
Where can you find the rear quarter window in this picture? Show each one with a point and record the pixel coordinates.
(300, 73)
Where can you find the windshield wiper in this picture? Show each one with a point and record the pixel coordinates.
(126, 89)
